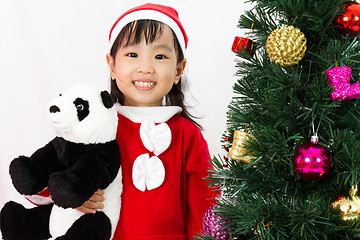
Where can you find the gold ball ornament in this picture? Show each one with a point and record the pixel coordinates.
(238, 150)
(350, 207)
(286, 45)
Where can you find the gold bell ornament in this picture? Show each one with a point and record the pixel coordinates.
(238, 150)
(286, 45)
(350, 207)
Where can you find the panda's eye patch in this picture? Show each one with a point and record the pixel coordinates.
(82, 108)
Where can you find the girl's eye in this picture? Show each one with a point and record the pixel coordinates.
(132, 55)
(159, 56)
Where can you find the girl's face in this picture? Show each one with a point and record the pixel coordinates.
(145, 73)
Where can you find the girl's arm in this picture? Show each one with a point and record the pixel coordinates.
(198, 196)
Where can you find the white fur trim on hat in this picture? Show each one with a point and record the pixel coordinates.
(148, 14)
(157, 12)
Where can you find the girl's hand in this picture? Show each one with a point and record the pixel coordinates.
(93, 203)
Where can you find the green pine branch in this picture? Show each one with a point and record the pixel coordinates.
(280, 107)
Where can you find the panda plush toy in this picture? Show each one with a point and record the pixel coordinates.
(83, 157)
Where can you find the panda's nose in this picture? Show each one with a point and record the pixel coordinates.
(54, 109)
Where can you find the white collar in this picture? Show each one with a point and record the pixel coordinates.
(156, 114)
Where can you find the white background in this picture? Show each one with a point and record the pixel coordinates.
(47, 46)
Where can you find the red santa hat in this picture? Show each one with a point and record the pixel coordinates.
(161, 13)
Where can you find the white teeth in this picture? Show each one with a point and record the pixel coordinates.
(144, 84)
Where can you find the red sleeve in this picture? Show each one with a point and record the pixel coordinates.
(199, 197)
(41, 198)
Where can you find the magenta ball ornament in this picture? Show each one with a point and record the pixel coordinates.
(311, 160)
(212, 225)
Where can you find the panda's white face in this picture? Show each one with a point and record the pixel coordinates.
(79, 115)
(63, 116)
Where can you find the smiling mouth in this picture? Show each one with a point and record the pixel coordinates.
(141, 84)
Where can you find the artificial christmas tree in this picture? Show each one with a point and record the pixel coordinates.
(282, 106)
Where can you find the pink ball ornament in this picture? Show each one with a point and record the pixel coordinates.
(212, 225)
(311, 160)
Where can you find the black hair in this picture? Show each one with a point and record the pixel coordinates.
(149, 30)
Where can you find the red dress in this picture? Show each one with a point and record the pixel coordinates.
(166, 199)
(174, 209)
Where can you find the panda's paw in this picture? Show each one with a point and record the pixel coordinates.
(11, 220)
(22, 177)
(67, 191)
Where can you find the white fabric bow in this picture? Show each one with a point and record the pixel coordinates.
(156, 138)
(148, 172)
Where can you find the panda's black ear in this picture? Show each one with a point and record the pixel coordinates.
(107, 99)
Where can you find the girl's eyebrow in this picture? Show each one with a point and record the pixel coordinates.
(163, 46)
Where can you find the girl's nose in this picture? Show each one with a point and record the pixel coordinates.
(145, 67)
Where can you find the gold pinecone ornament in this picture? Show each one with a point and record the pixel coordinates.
(286, 45)
(238, 151)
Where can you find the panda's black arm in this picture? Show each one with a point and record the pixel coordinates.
(92, 171)
(30, 175)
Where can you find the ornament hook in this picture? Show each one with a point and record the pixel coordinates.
(353, 191)
(315, 137)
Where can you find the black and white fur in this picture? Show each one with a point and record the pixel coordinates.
(82, 158)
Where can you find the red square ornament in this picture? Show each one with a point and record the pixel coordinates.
(241, 43)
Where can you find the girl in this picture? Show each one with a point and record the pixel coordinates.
(164, 156)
